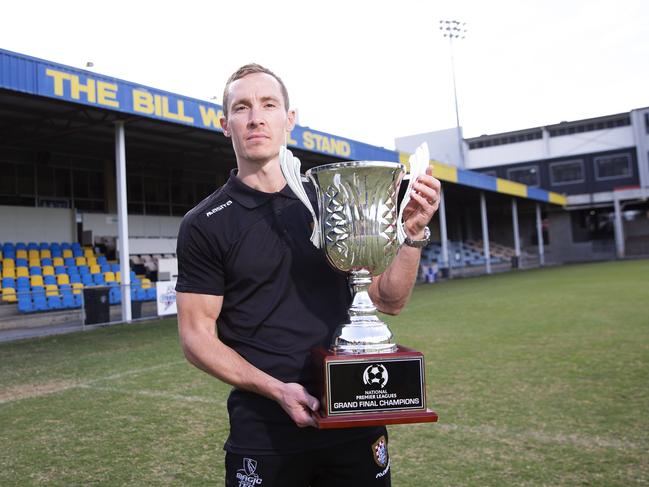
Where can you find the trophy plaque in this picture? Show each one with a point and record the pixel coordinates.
(365, 377)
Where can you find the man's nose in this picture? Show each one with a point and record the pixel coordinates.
(255, 117)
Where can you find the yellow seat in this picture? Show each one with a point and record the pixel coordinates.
(9, 272)
(95, 269)
(48, 270)
(9, 295)
(8, 263)
(21, 254)
(88, 252)
(109, 276)
(62, 279)
(34, 263)
(36, 281)
(22, 272)
(77, 287)
(67, 253)
(51, 290)
(146, 283)
(46, 254)
(118, 276)
(33, 254)
(58, 261)
(80, 261)
(91, 260)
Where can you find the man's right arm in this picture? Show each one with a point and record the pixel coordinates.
(197, 314)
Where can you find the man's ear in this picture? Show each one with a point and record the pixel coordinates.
(224, 126)
(290, 120)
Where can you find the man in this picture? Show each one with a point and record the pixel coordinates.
(246, 264)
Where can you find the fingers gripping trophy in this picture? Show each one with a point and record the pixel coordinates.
(366, 378)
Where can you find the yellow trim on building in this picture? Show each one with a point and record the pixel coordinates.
(444, 172)
(511, 187)
(557, 199)
(404, 159)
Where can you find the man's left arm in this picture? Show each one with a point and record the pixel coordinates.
(390, 291)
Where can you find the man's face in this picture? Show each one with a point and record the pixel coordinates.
(257, 119)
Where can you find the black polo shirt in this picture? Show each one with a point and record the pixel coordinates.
(280, 299)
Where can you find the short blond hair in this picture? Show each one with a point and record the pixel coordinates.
(245, 71)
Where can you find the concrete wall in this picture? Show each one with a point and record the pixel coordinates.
(139, 226)
(26, 224)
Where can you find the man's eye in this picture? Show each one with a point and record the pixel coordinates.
(270, 105)
(239, 108)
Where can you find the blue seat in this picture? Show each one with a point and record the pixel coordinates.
(65, 246)
(77, 252)
(114, 295)
(78, 300)
(59, 269)
(98, 279)
(49, 280)
(46, 261)
(141, 294)
(25, 303)
(86, 279)
(40, 302)
(57, 252)
(67, 299)
(150, 294)
(69, 262)
(73, 269)
(21, 263)
(35, 271)
(54, 302)
(114, 267)
(75, 278)
(9, 282)
(101, 260)
(32, 246)
(105, 268)
(44, 246)
(19, 246)
(83, 269)
(22, 283)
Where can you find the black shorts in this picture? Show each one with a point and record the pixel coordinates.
(364, 462)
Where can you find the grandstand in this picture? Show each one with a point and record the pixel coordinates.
(44, 276)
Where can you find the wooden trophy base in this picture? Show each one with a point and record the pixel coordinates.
(371, 389)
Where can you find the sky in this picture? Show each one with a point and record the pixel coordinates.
(366, 70)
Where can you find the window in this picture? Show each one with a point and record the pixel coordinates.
(491, 173)
(528, 175)
(567, 172)
(616, 166)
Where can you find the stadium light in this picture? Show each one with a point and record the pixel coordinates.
(455, 30)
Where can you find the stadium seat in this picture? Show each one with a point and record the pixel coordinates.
(49, 280)
(67, 254)
(39, 301)
(21, 254)
(105, 268)
(46, 254)
(36, 280)
(35, 270)
(56, 252)
(22, 284)
(25, 303)
(8, 262)
(115, 295)
(69, 262)
(46, 261)
(48, 270)
(83, 269)
(114, 267)
(67, 299)
(54, 301)
(78, 300)
(98, 279)
(62, 279)
(77, 252)
(59, 269)
(94, 269)
(9, 295)
(34, 263)
(51, 290)
(8, 282)
(151, 294)
(87, 280)
(79, 260)
(43, 246)
(75, 278)
(109, 277)
(33, 254)
(88, 252)
(77, 287)
(9, 272)
(65, 246)
(22, 271)
(21, 262)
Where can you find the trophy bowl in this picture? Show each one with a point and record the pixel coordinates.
(358, 218)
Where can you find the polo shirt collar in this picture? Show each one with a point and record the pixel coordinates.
(251, 197)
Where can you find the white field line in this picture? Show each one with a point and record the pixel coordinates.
(44, 389)
(159, 394)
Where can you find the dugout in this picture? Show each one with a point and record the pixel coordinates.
(79, 151)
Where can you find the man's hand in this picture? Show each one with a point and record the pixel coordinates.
(298, 404)
(424, 201)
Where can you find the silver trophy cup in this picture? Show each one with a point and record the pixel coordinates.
(357, 226)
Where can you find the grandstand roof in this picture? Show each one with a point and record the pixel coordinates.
(70, 109)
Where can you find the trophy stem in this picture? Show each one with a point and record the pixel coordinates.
(365, 333)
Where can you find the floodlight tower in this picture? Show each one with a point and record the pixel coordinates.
(454, 30)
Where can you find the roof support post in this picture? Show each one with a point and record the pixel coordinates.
(445, 263)
(122, 221)
(619, 227)
(517, 238)
(485, 232)
(539, 235)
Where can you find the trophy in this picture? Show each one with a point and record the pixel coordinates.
(365, 377)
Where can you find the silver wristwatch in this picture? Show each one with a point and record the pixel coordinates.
(418, 244)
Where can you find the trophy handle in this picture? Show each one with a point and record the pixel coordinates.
(290, 166)
(418, 162)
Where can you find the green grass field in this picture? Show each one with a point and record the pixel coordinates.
(540, 378)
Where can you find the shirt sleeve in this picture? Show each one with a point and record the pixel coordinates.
(200, 267)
